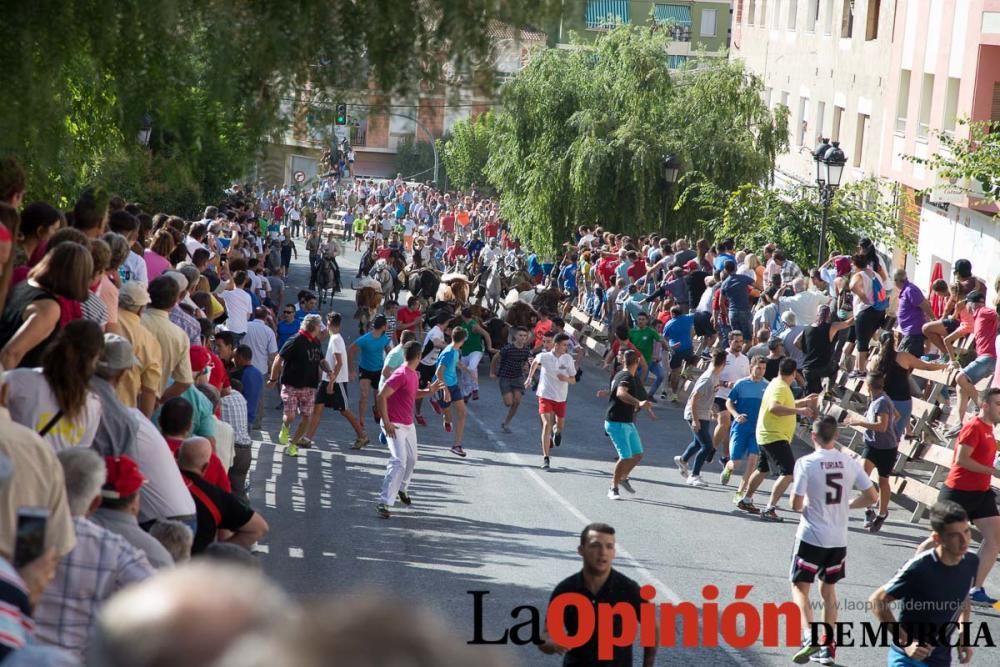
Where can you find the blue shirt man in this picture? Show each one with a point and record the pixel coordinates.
(253, 384)
(448, 360)
(678, 332)
(567, 277)
(372, 347)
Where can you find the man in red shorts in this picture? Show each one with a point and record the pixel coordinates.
(558, 372)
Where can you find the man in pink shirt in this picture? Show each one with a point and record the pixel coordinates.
(985, 332)
(395, 407)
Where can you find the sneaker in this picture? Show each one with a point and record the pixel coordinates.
(737, 497)
(747, 506)
(664, 395)
(674, 398)
(447, 426)
(725, 475)
(877, 523)
(405, 498)
(420, 420)
(557, 438)
(458, 451)
(627, 485)
(770, 515)
(805, 652)
(475, 394)
(305, 443)
(545, 463)
(436, 407)
(979, 596)
(283, 435)
(869, 518)
(505, 428)
(827, 655)
(360, 442)
(696, 480)
(682, 466)
(292, 450)
(613, 494)
(382, 510)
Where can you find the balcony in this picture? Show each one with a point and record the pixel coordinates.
(359, 134)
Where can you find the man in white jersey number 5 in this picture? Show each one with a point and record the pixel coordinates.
(821, 492)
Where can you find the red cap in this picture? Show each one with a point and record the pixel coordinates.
(124, 477)
(692, 265)
(199, 358)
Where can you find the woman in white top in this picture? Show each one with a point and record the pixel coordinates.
(55, 400)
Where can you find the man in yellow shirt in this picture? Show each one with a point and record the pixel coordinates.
(775, 430)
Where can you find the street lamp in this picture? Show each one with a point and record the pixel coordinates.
(146, 129)
(830, 161)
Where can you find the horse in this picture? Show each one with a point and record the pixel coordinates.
(387, 279)
(327, 277)
(367, 299)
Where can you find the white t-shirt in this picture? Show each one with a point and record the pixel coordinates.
(736, 368)
(239, 308)
(431, 357)
(31, 403)
(550, 386)
(135, 267)
(337, 346)
(826, 478)
(164, 493)
(192, 245)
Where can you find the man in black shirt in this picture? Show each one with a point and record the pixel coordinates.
(627, 397)
(298, 364)
(598, 582)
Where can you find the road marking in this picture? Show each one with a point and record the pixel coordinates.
(329, 554)
(663, 591)
(296, 552)
(261, 549)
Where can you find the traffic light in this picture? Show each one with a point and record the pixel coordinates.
(341, 114)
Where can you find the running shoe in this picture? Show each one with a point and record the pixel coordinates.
(613, 494)
(979, 596)
(723, 460)
(737, 497)
(869, 518)
(696, 480)
(747, 506)
(458, 451)
(674, 398)
(475, 394)
(627, 485)
(404, 498)
(827, 655)
(557, 438)
(305, 443)
(681, 466)
(283, 435)
(382, 510)
(664, 395)
(805, 652)
(505, 428)
(447, 426)
(292, 450)
(770, 515)
(360, 442)
(420, 420)
(545, 463)
(877, 523)
(436, 407)
(725, 476)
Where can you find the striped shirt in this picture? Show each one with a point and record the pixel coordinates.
(234, 413)
(187, 324)
(512, 361)
(15, 611)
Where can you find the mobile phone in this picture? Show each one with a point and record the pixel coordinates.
(30, 544)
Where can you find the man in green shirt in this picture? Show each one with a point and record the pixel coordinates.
(644, 338)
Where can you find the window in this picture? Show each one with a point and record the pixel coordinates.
(871, 23)
(793, 11)
(820, 119)
(751, 11)
(838, 116)
(784, 99)
(926, 97)
(767, 97)
(763, 14)
(676, 62)
(708, 17)
(606, 14)
(677, 18)
(902, 101)
(812, 20)
(828, 19)
(739, 11)
(847, 19)
(803, 120)
(951, 105)
(859, 138)
(776, 15)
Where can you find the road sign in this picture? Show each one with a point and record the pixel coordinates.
(341, 132)
(299, 176)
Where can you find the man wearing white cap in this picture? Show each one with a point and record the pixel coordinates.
(116, 431)
(139, 387)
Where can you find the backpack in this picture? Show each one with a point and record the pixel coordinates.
(880, 300)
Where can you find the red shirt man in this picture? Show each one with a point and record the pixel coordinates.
(456, 251)
(491, 229)
(215, 474)
(606, 269)
(637, 270)
(448, 223)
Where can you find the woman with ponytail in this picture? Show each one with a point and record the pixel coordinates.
(55, 400)
(896, 366)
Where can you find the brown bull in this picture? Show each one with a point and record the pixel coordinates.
(521, 315)
(367, 300)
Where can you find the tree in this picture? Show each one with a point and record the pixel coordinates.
(466, 152)
(973, 161)
(755, 215)
(582, 135)
(415, 161)
(214, 76)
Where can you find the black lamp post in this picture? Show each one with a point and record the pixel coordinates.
(146, 129)
(671, 168)
(830, 161)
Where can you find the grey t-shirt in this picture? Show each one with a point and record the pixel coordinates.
(884, 439)
(704, 391)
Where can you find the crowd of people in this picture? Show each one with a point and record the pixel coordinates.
(138, 348)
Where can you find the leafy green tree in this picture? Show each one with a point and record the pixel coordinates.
(415, 161)
(582, 135)
(467, 150)
(216, 77)
(972, 160)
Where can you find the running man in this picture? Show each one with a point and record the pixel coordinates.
(449, 366)
(434, 342)
(698, 415)
(558, 372)
(332, 392)
(644, 337)
(881, 446)
(370, 350)
(819, 492)
(679, 332)
(508, 366)
(477, 341)
(627, 397)
(395, 404)
(737, 367)
(968, 485)
(298, 365)
(743, 405)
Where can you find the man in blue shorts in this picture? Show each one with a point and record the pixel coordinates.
(743, 404)
(679, 332)
(370, 350)
(627, 397)
(449, 364)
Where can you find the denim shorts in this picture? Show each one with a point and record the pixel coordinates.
(980, 368)
(625, 437)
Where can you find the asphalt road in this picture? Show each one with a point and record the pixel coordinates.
(496, 522)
